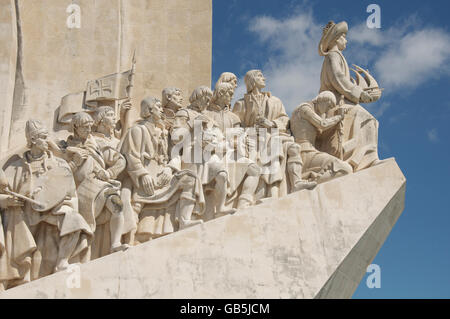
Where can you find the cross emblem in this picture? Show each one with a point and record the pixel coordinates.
(99, 88)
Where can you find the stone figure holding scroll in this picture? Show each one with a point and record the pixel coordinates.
(95, 166)
(278, 155)
(357, 141)
(309, 121)
(162, 193)
(49, 213)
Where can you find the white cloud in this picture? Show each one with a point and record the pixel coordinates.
(414, 59)
(433, 135)
(293, 65)
(403, 56)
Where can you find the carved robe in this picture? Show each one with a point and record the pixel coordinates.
(357, 142)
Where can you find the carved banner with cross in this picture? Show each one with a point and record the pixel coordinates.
(110, 87)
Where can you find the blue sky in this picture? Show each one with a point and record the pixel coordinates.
(409, 56)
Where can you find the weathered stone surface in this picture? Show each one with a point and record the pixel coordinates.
(42, 60)
(308, 244)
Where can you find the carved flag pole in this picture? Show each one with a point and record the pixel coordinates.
(125, 113)
(132, 73)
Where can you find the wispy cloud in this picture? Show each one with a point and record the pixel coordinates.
(405, 55)
(293, 64)
(433, 135)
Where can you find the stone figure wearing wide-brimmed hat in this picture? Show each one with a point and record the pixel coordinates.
(356, 141)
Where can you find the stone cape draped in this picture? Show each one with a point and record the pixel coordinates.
(31, 237)
(356, 143)
(142, 147)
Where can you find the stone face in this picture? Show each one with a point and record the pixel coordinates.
(43, 60)
(309, 244)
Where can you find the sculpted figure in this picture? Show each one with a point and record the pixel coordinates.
(261, 110)
(162, 193)
(210, 168)
(106, 137)
(227, 77)
(243, 171)
(43, 229)
(309, 121)
(172, 102)
(95, 165)
(357, 141)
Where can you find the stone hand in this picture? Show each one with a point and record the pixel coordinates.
(125, 106)
(147, 185)
(10, 201)
(266, 123)
(103, 175)
(80, 157)
(165, 177)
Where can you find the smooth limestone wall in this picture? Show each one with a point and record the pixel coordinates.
(309, 244)
(42, 60)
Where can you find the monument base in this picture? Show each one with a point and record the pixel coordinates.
(309, 244)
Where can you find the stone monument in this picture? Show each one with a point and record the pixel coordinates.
(99, 175)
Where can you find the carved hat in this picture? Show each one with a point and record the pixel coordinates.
(331, 33)
(33, 128)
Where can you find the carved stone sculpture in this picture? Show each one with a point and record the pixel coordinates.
(95, 165)
(357, 141)
(262, 110)
(172, 102)
(207, 136)
(227, 77)
(162, 193)
(244, 173)
(43, 230)
(309, 121)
